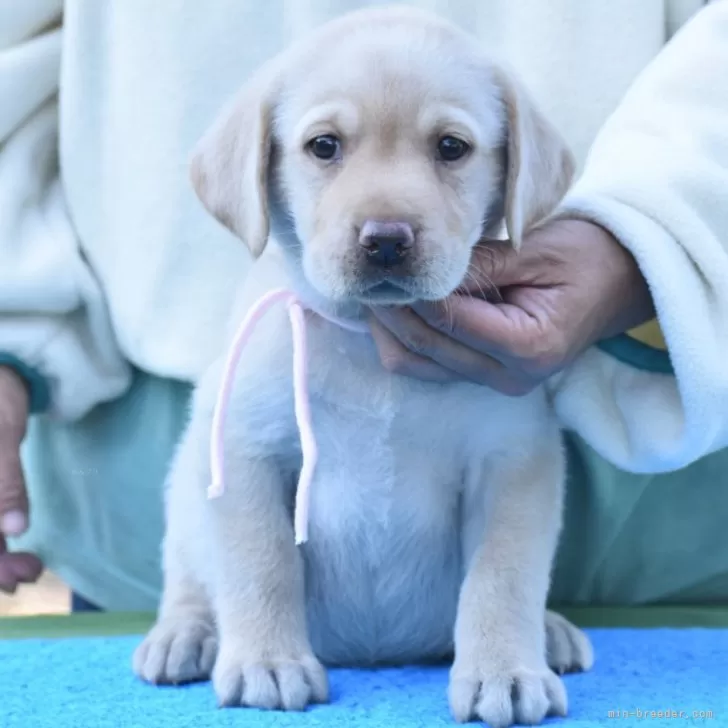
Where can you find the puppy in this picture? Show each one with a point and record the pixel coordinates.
(367, 161)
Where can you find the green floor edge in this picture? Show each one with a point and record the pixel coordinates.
(121, 623)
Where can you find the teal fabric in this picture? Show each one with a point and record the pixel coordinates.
(38, 390)
(96, 492)
(636, 354)
(642, 539)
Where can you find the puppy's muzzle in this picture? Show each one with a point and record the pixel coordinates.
(387, 244)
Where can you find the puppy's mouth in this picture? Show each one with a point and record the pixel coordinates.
(388, 293)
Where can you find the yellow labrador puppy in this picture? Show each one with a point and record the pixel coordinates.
(370, 159)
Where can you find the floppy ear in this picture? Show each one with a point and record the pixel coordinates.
(229, 166)
(539, 166)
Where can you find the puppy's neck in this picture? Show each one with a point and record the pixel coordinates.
(349, 315)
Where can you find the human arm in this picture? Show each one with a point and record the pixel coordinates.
(57, 350)
(657, 178)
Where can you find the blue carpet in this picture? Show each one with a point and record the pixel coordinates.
(80, 683)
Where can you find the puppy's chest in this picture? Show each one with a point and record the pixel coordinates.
(359, 407)
(346, 378)
(389, 448)
(385, 501)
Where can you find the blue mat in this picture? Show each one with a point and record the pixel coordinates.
(87, 683)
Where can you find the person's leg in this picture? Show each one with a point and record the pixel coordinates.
(96, 494)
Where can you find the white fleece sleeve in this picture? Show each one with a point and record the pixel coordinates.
(54, 325)
(657, 178)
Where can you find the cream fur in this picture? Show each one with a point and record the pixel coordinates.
(435, 508)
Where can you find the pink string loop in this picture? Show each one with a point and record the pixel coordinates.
(302, 404)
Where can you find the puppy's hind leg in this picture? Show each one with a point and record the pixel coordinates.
(568, 649)
(182, 646)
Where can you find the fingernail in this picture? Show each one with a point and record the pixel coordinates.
(14, 523)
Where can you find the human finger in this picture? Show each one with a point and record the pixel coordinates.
(426, 342)
(13, 494)
(506, 332)
(396, 358)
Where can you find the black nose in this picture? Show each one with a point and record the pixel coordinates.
(387, 244)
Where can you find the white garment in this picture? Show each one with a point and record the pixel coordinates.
(119, 265)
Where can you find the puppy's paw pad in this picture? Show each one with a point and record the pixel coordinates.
(178, 651)
(519, 696)
(568, 648)
(276, 684)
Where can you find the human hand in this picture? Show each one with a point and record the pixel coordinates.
(570, 285)
(15, 568)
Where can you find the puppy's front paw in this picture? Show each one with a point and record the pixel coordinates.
(177, 651)
(502, 697)
(568, 649)
(285, 682)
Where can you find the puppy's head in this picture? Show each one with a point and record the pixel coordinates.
(385, 145)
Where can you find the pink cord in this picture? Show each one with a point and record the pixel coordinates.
(300, 396)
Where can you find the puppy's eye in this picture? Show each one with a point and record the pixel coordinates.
(450, 149)
(325, 147)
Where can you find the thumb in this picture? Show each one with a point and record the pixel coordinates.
(13, 495)
(13, 421)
